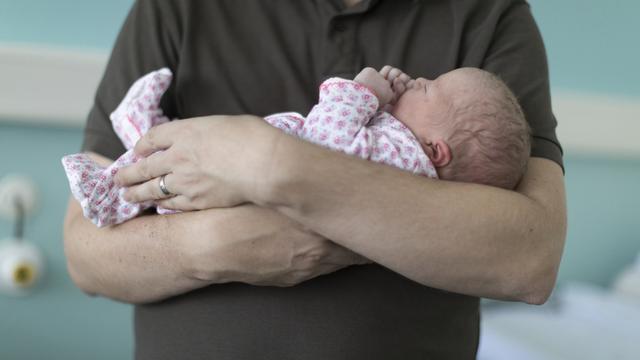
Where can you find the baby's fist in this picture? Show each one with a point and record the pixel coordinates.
(399, 81)
(372, 79)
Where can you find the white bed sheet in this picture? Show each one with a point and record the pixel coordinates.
(582, 322)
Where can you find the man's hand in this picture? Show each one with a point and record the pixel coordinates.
(216, 161)
(154, 257)
(259, 246)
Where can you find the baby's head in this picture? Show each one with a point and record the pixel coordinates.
(470, 125)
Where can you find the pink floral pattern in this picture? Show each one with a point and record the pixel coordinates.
(91, 184)
(347, 119)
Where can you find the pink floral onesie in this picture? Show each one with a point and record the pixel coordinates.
(345, 119)
(91, 184)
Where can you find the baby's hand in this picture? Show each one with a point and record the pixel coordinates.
(372, 79)
(398, 80)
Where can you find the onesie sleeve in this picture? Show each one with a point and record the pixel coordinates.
(148, 40)
(343, 109)
(518, 56)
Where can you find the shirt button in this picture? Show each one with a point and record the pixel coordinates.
(339, 27)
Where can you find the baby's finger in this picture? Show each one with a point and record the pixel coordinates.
(398, 85)
(410, 83)
(404, 78)
(394, 73)
(385, 71)
(398, 89)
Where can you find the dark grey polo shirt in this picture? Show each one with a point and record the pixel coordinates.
(262, 57)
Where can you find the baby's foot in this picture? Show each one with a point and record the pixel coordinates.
(140, 110)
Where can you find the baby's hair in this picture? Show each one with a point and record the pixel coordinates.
(490, 141)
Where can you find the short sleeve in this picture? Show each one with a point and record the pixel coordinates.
(518, 56)
(148, 40)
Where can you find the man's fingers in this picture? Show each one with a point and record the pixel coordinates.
(149, 190)
(157, 138)
(157, 164)
(178, 202)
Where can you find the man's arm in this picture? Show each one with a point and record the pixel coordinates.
(138, 261)
(460, 237)
(467, 238)
(153, 257)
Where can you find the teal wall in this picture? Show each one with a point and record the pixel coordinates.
(603, 197)
(58, 321)
(591, 47)
(87, 23)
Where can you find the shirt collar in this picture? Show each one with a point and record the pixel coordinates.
(361, 7)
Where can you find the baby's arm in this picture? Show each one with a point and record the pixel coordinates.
(344, 108)
(140, 109)
(377, 83)
(388, 84)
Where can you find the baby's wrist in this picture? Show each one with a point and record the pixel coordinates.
(376, 83)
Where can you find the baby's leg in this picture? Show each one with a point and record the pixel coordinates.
(140, 110)
(93, 186)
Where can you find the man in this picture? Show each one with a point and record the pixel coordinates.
(436, 246)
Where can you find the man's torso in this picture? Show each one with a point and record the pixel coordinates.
(264, 57)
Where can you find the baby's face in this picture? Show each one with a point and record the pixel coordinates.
(425, 107)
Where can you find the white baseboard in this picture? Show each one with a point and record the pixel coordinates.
(56, 86)
(597, 123)
(50, 86)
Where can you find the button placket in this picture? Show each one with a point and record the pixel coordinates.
(339, 50)
(339, 26)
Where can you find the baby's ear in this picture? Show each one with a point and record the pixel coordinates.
(439, 153)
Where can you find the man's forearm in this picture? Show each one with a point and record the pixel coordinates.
(153, 257)
(141, 260)
(465, 238)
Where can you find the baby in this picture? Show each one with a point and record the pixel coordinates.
(466, 125)
(463, 126)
